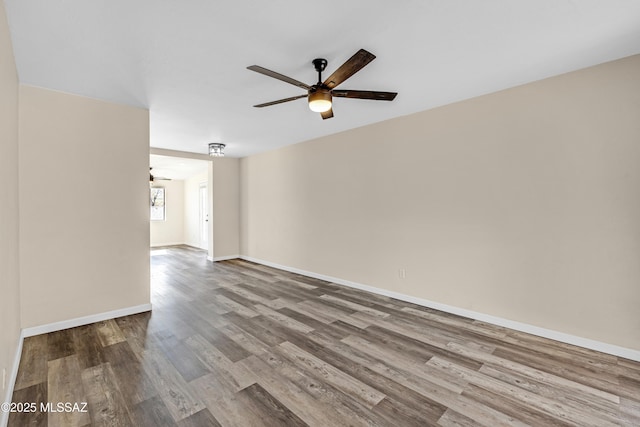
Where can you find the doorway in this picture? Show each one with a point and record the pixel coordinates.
(185, 184)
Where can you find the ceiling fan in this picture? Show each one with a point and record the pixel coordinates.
(156, 178)
(320, 94)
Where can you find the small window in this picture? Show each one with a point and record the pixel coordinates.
(157, 204)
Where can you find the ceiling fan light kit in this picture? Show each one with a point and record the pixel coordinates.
(216, 149)
(320, 100)
(320, 96)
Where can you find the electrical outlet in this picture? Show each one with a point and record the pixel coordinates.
(402, 273)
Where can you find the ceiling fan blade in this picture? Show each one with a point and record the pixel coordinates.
(282, 77)
(327, 114)
(280, 101)
(349, 68)
(364, 94)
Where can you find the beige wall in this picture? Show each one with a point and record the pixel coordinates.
(523, 204)
(9, 265)
(226, 207)
(84, 212)
(171, 230)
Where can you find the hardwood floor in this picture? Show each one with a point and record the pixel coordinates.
(239, 344)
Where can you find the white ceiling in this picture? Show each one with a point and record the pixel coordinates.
(186, 60)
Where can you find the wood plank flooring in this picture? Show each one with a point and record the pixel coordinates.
(239, 344)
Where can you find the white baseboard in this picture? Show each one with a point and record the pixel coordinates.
(603, 347)
(223, 258)
(13, 375)
(58, 326)
(79, 321)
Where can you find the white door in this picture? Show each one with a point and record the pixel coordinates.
(204, 217)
